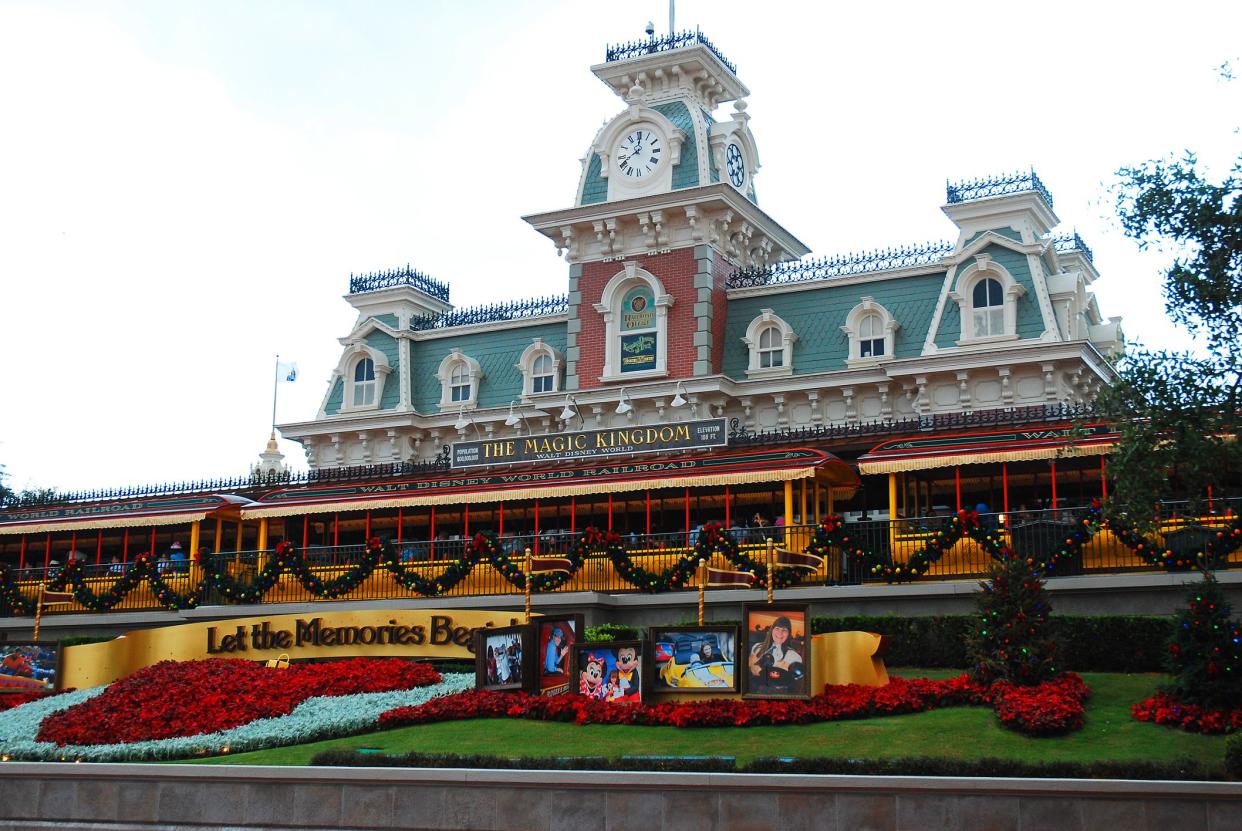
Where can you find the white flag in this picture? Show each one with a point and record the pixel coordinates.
(286, 371)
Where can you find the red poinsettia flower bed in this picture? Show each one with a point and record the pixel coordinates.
(10, 700)
(1164, 708)
(1039, 714)
(186, 698)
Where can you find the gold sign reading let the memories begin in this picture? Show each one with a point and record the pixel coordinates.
(588, 444)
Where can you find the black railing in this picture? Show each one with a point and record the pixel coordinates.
(1064, 243)
(841, 265)
(241, 483)
(361, 283)
(739, 435)
(494, 312)
(1001, 185)
(664, 43)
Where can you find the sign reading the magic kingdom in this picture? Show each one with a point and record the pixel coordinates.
(586, 444)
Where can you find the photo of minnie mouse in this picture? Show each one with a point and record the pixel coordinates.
(610, 671)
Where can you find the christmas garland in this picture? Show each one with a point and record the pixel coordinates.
(144, 567)
(12, 601)
(1212, 556)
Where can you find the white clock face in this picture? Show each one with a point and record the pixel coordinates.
(736, 165)
(639, 153)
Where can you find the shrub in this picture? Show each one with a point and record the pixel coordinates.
(1233, 756)
(612, 632)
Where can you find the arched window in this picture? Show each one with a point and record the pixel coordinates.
(543, 375)
(364, 383)
(635, 310)
(771, 350)
(460, 384)
(770, 341)
(871, 331)
(988, 301)
(459, 377)
(871, 336)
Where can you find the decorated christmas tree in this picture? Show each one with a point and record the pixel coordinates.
(1205, 654)
(1011, 641)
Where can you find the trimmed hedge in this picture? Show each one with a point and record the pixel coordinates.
(1186, 769)
(1233, 756)
(1105, 643)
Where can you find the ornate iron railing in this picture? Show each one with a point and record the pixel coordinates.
(1065, 243)
(241, 483)
(841, 265)
(739, 435)
(664, 43)
(494, 312)
(360, 283)
(1001, 185)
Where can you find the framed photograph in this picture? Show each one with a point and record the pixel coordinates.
(502, 658)
(610, 670)
(694, 659)
(26, 666)
(555, 641)
(776, 650)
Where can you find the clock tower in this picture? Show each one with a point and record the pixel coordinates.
(665, 210)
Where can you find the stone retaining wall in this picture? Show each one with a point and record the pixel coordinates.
(171, 798)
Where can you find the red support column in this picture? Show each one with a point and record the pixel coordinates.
(153, 541)
(73, 538)
(1103, 480)
(729, 524)
(305, 530)
(466, 527)
(47, 554)
(336, 528)
(609, 512)
(432, 532)
(536, 526)
(648, 513)
(367, 532)
(125, 547)
(400, 517)
(573, 515)
(501, 532)
(1005, 486)
(1211, 506)
(1053, 465)
(21, 563)
(99, 546)
(957, 486)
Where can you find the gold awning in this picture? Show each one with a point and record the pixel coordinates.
(133, 513)
(473, 489)
(955, 450)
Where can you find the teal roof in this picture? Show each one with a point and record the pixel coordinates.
(595, 187)
(1030, 323)
(335, 397)
(685, 173)
(817, 315)
(497, 352)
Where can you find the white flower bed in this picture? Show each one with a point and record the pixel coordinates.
(322, 717)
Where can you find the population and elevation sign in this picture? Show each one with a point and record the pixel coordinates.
(588, 444)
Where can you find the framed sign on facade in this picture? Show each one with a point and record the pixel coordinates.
(502, 658)
(610, 671)
(698, 659)
(777, 648)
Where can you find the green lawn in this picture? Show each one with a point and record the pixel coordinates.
(960, 732)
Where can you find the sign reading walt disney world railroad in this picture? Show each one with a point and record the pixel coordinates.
(585, 444)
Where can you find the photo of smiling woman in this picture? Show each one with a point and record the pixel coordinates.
(778, 647)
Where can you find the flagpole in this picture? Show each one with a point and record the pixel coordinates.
(702, 587)
(275, 387)
(38, 612)
(771, 554)
(527, 586)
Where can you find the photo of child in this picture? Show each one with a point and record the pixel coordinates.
(610, 671)
(501, 658)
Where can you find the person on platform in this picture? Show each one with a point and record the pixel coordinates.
(177, 562)
(774, 665)
(115, 566)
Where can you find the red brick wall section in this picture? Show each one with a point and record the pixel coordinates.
(721, 269)
(676, 271)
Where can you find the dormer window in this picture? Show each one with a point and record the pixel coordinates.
(540, 365)
(988, 302)
(770, 341)
(871, 331)
(459, 376)
(364, 383)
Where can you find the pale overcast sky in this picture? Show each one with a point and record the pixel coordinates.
(185, 187)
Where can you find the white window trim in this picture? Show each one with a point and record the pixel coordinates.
(769, 319)
(981, 269)
(526, 365)
(354, 353)
(445, 373)
(609, 307)
(853, 325)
